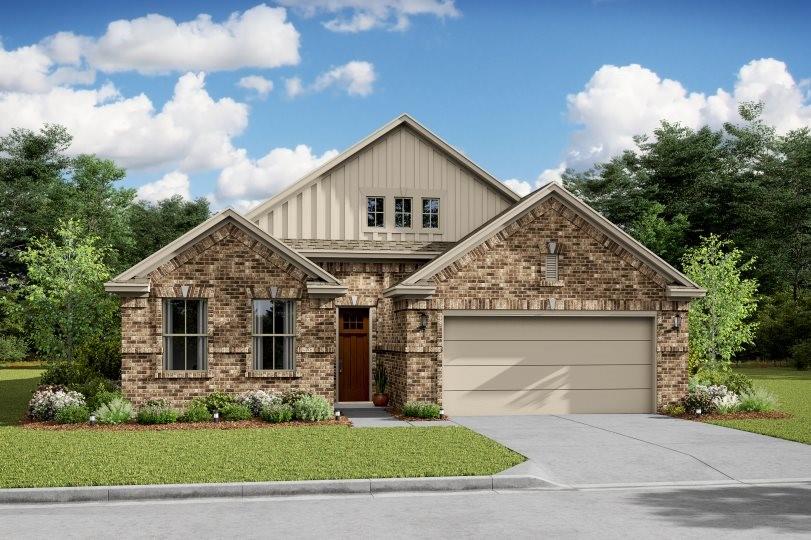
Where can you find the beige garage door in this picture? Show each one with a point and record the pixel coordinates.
(547, 365)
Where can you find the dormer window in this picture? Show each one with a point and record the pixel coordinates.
(430, 213)
(375, 213)
(402, 212)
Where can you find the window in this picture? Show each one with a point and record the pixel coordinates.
(374, 211)
(185, 338)
(430, 213)
(402, 212)
(273, 334)
(552, 267)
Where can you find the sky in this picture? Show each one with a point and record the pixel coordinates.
(233, 101)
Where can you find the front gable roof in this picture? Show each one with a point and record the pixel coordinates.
(419, 283)
(135, 280)
(402, 120)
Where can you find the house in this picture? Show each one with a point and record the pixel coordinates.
(402, 252)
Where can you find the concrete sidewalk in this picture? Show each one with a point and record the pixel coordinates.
(366, 415)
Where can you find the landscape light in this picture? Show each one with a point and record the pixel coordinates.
(216, 416)
(92, 420)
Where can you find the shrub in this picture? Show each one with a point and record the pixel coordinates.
(277, 412)
(737, 383)
(757, 400)
(673, 409)
(216, 401)
(310, 408)
(117, 411)
(421, 409)
(12, 348)
(49, 400)
(72, 414)
(197, 412)
(726, 403)
(235, 411)
(103, 397)
(801, 354)
(156, 412)
(381, 379)
(291, 396)
(256, 400)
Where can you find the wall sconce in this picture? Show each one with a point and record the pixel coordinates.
(423, 321)
(677, 322)
(552, 247)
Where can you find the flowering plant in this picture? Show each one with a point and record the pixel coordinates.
(47, 401)
(256, 400)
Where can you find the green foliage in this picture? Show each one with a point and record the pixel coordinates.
(196, 412)
(311, 408)
(12, 348)
(256, 400)
(783, 321)
(720, 322)
(72, 414)
(801, 354)
(735, 382)
(156, 412)
(216, 401)
(674, 409)
(117, 411)
(381, 379)
(758, 399)
(291, 396)
(276, 413)
(102, 396)
(662, 236)
(235, 412)
(421, 409)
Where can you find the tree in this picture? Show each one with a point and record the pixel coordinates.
(65, 300)
(665, 238)
(719, 323)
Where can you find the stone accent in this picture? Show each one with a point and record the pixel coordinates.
(229, 268)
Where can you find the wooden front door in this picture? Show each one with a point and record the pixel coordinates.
(353, 354)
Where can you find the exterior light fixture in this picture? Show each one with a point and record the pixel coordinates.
(423, 321)
(677, 322)
(92, 419)
(698, 412)
(441, 412)
(337, 414)
(552, 247)
(216, 416)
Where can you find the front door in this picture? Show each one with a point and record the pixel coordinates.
(353, 354)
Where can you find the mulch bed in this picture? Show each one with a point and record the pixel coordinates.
(774, 415)
(242, 424)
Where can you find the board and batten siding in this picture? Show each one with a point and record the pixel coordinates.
(402, 163)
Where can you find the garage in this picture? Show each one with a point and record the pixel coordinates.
(548, 364)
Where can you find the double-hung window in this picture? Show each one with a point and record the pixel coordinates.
(375, 213)
(430, 213)
(185, 337)
(402, 212)
(273, 334)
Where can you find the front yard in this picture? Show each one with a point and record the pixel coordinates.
(793, 389)
(94, 457)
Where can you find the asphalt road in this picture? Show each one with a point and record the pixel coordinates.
(685, 512)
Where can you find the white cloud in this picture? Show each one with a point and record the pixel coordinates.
(260, 85)
(260, 37)
(173, 183)
(248, 179)
(191, 131)
(619, 102)
(356, 78)
(31, 69)
(521, 187)
(368, 14)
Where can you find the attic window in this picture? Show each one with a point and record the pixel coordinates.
(375, 216)
(402, 212)
(430, 213)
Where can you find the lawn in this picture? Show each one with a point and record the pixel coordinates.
(78, 458)
(793, 389)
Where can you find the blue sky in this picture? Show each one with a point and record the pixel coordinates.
(520, 87)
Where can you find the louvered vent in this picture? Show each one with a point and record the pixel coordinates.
(552, 267)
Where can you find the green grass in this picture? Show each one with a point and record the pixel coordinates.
(82, 457)
(793, 389)
(16, 386)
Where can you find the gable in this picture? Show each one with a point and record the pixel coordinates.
(603, 232)
(403, 159)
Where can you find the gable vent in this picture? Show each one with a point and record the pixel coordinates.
(552, 266)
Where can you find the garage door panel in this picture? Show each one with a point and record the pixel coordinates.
(547, 328)
(546, 377)
(547, 353)
(494, 403)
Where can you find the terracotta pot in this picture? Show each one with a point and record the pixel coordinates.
(380, 400)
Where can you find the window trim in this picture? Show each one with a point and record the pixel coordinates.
(437, 214)
(166, 336)
(410, 212)
(382, 212)
(254, 358)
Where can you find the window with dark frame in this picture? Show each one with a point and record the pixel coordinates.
(430, 213)
(273, 335)
(402, 212)
(185, 334)
(375, 213)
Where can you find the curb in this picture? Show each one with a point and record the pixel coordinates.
(271, 489)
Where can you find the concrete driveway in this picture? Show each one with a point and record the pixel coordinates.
(598, 449)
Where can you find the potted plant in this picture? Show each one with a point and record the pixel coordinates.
(380, 398)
